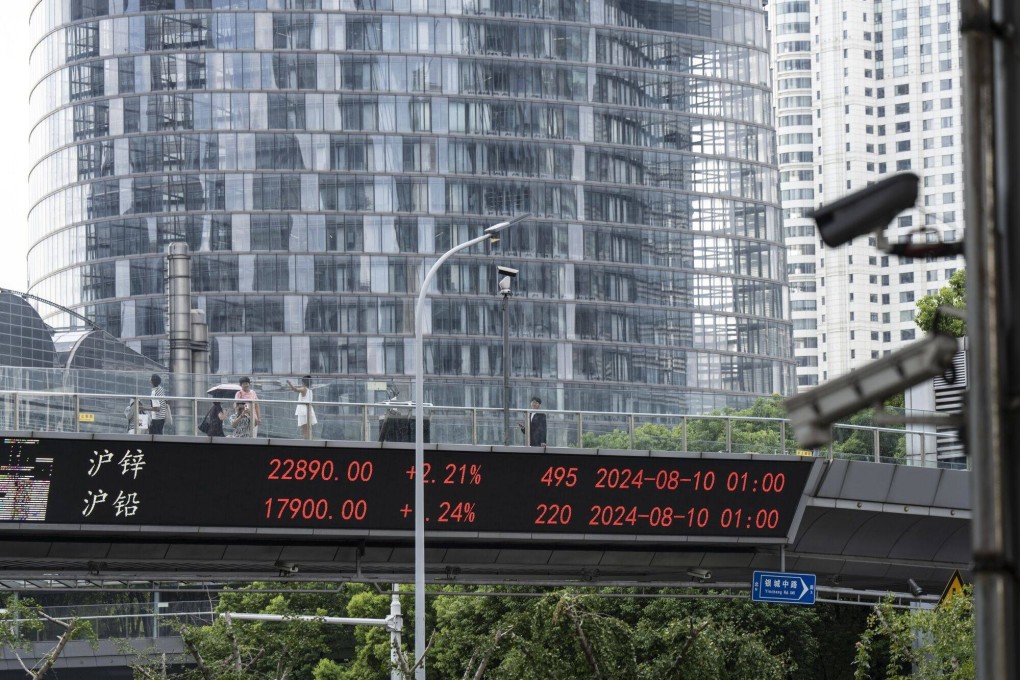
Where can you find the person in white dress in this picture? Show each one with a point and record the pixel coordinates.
(304, 412)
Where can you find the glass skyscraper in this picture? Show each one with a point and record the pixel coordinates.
(318, 155)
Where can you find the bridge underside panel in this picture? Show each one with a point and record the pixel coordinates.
(852, 548)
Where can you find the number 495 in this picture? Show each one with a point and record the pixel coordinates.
(560, 476)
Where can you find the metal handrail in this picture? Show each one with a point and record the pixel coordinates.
(34, 410)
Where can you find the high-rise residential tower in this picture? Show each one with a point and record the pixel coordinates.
(316, 155)
(865, 90)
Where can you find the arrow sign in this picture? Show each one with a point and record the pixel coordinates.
(783, 587)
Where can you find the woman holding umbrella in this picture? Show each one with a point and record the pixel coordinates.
(212, 425)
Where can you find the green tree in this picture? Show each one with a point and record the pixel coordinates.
(570, 634)
(919, 643)
(21, 618)
(708, 433)
(861, 443)
(263, 650)
(561, 634)
(953, 295)
(371, 660)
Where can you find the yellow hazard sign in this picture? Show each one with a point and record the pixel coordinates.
(953, 588)
(86, 417)
(805, 452)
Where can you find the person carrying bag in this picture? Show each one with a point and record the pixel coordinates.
(212, 424)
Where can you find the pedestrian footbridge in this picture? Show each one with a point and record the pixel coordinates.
(94, 507)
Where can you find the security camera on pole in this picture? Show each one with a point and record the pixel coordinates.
(506, 277)
(870, 210)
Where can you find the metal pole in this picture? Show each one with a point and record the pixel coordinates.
(506, 367)
(155, 614)
(388, 622)
(989, 149)
(395, 637)
(178, 309)
(419, 445)
(199, 365)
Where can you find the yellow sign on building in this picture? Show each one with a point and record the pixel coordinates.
(953, 588)
(86, 417)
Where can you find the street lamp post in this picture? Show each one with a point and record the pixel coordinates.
(419, 443)
(506, 367)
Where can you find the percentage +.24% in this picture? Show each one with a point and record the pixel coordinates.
(461, 512)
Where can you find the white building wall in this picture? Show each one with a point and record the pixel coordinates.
(884, 98)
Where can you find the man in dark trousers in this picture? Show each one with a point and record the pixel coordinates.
(537, 425)
(159, 406)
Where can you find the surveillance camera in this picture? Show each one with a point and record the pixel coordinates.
(286, 568)
(812, 413)
(915, 590)
(867, 210)
(504, 285)
(700, 574)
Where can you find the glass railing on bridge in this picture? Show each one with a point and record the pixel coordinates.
(60, 411)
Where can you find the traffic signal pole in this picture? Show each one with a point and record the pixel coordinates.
(991, 95)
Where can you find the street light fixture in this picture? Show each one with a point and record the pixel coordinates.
(491, 233)
(506, 277)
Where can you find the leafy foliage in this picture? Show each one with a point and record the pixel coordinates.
(708, 433)
(23, 618)
(372, 649)
(919, 643)
(953, 295)
(244, 650)
(561, 634)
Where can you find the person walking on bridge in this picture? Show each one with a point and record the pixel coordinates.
(536, 426)
(159, 406)
(246, 393)
(305, 413)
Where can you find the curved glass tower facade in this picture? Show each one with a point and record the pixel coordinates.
(318, 155)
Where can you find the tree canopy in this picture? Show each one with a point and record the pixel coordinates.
(923, 644)
(764, 435)
(524, 634)
(954, 295)
(22, 618)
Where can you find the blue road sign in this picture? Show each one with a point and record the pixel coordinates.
(783, 587)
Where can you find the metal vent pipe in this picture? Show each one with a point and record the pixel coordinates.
(178, 290)
(199, 357)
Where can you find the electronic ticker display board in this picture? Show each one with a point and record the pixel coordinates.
(348, 489)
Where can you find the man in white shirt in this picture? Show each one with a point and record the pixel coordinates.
(158, 407)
